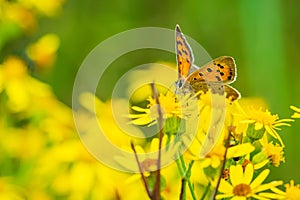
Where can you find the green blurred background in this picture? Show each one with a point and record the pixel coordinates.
(262, 36)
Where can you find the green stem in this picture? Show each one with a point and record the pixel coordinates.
(185, 174)
(205, 191)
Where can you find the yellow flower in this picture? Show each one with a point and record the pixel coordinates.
(169, 107)
(264, 120)
(215, 157)
(23, 91)
(242, 186)
(9, 190)
(274, 153)
(292, 191)
(18, 14)
(43, 52)
(297, 112)
(46, 7)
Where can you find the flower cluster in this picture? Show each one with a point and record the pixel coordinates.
(20, 19)
(41, 156)
(238, 164)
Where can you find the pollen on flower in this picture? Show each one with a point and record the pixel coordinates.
(242, 190)
(263, 117)
(168, 105)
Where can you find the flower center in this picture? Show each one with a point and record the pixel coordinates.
(241, 190)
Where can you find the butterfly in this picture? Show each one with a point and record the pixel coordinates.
(213, 76)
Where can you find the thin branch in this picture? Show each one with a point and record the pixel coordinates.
(141, 171)
(182, 190)
(223, 165)
(156, 190)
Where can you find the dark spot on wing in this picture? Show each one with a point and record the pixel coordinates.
(209, 69)
(219, 78)
(179, 42)
(185, 52)
(222, 73)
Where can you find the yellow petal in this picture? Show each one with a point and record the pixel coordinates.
(296, 115)
(271, 131)
(260, 178)
(285, 120)
(139, 150)
(240, 150)
(259, 197)
(154, 145)
(215, 161)
(223, 196)
(268, 186)
(239, 198)
(142, 121)
(274, 134)
(139, 109)
(282, 124)
(295, 109)
(247, 121)
(133, 116)
(225, 187)
(276, 190)
(248, 175)
(236, 174)
(261, 164)
(272, 195)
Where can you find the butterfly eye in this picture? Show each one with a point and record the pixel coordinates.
(179, 84)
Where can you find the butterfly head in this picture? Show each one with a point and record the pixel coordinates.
(182, 87)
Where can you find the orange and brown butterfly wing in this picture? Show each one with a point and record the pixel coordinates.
(219, 70)
(215, 75)
(184, 54)
(232, 93)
